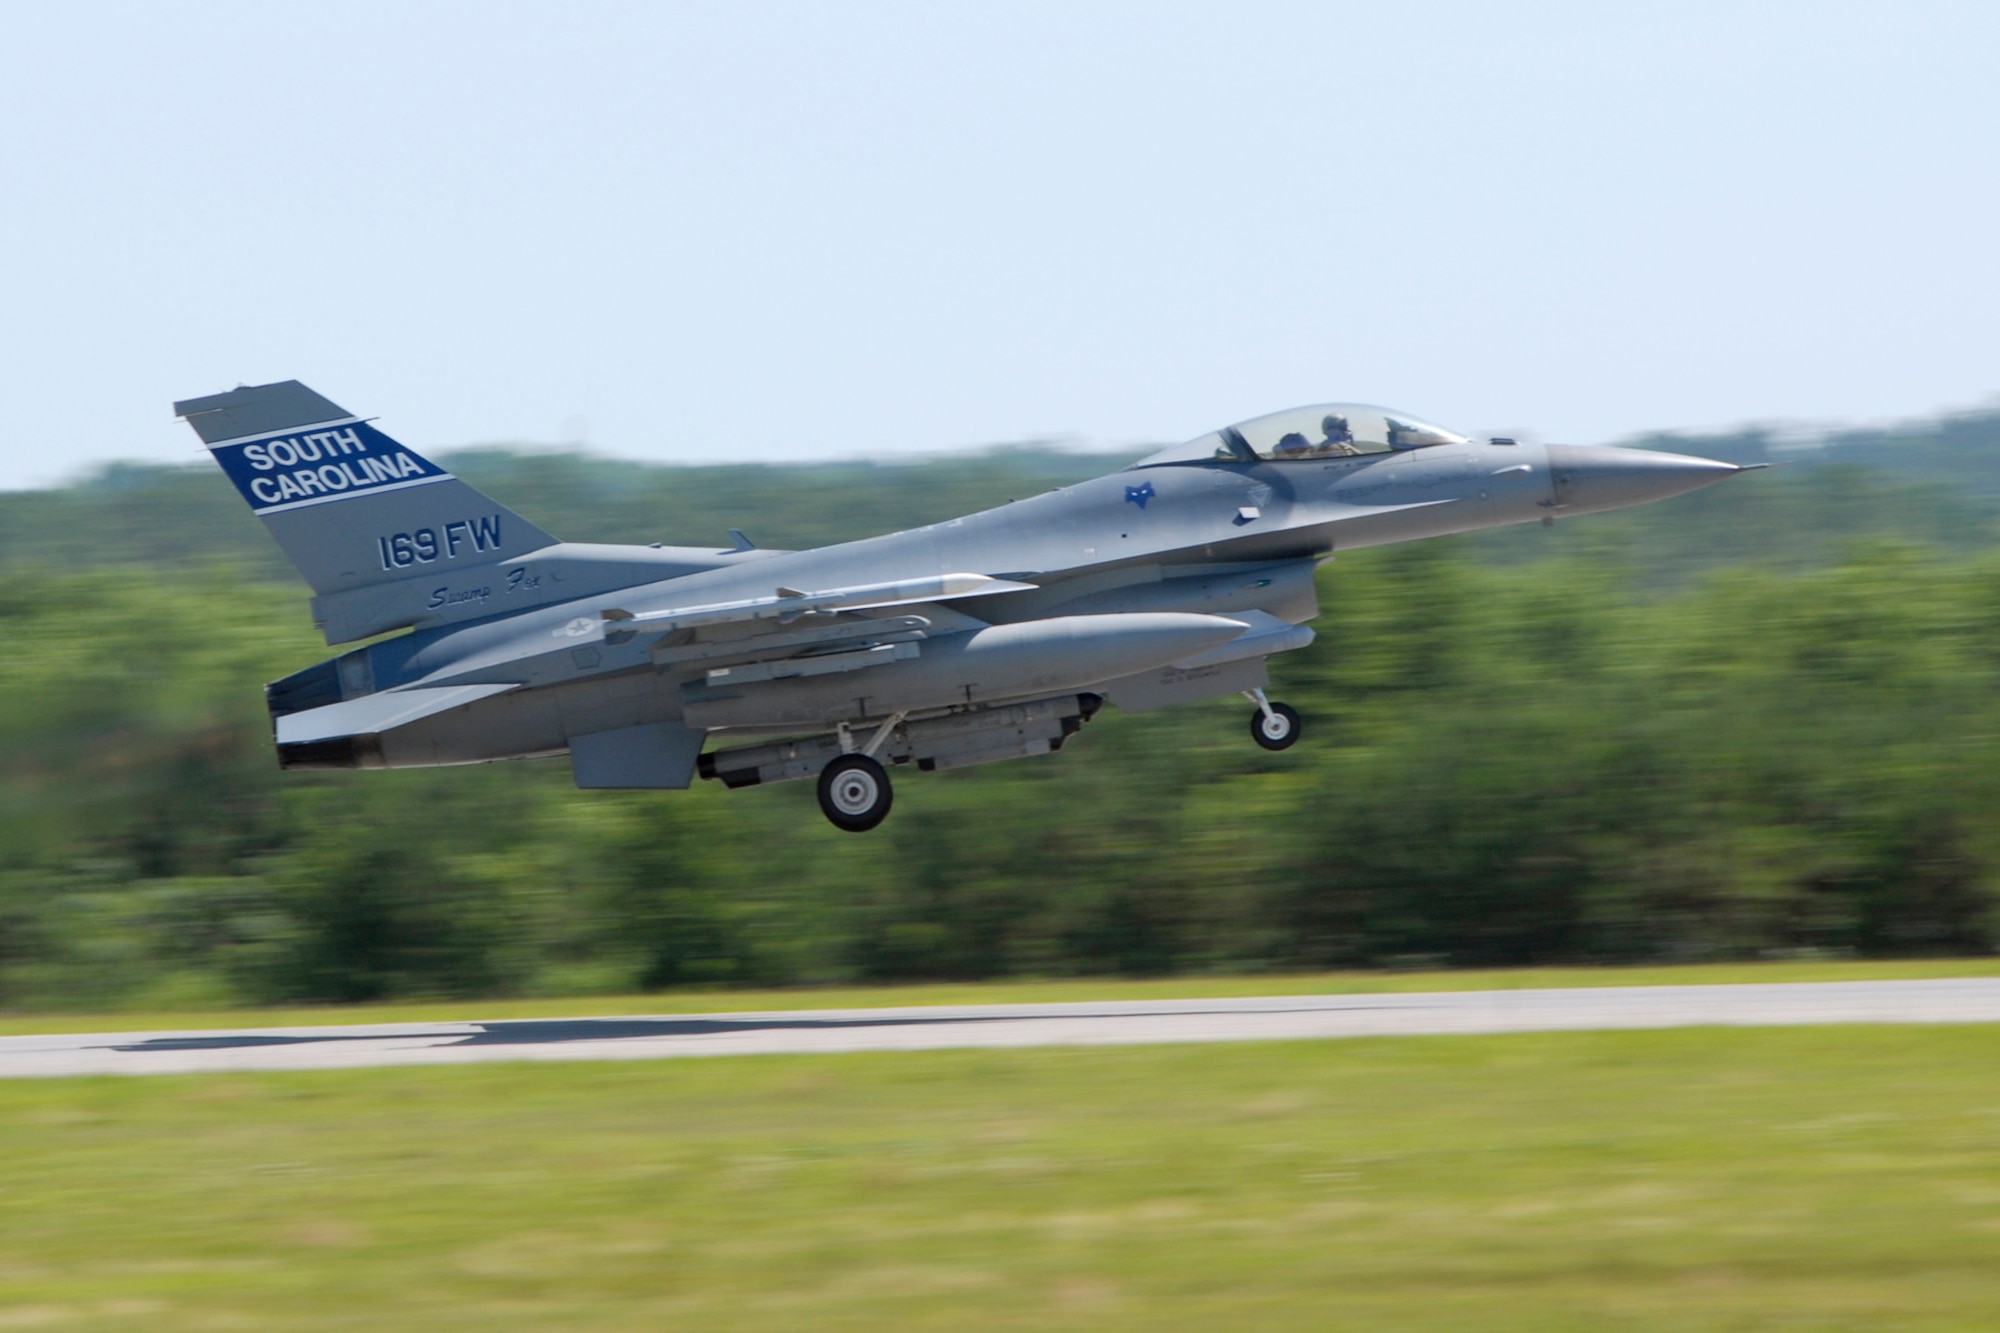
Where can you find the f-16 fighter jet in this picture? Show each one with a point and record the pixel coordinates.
(988, 637)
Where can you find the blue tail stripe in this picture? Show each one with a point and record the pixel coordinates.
(317, 464)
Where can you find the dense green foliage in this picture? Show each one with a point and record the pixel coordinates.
(1761, 719)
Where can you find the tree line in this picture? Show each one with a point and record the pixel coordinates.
(1522, 747)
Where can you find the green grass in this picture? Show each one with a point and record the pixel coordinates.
(1002, 992)
(1803, 1179)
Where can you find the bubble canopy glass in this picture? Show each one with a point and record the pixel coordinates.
(1328, 430)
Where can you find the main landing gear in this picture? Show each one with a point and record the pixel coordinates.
(854, 789)
(854, 792)
(1273, 726)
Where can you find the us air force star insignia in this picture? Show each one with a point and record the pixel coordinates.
(1139, 494)
(576, 629)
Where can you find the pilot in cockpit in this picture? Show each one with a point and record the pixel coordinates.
(1293, 445)
(1339, 439)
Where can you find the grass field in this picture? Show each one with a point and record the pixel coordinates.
(1003, 992)
(1826, 1178)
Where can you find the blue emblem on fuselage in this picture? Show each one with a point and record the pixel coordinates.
(1139, 494)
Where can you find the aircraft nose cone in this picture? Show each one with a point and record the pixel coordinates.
(1590, 477)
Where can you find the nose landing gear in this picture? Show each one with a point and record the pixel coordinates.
(1273, 726)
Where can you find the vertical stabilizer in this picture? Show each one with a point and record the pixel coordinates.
(351, 507)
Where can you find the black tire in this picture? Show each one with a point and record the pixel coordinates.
(854, 793)
(1279, 731)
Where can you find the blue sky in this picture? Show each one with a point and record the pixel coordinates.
(731, 232)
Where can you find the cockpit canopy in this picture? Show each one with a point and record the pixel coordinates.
(1329, 430)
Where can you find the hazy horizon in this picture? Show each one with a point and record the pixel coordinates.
(1803, 433)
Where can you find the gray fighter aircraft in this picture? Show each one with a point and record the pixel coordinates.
(988, 637)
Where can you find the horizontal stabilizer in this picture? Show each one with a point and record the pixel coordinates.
(376, 713)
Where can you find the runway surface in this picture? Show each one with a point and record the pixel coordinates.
(1272, 1018)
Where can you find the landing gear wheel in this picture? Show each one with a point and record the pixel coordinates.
(1278, 729)
(854, 793)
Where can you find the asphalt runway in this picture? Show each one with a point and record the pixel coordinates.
(1139, 1022)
